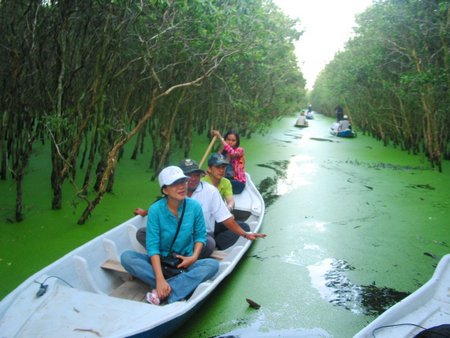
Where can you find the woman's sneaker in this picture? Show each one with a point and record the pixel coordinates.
(152, 297)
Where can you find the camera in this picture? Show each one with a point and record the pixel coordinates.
(171, 260)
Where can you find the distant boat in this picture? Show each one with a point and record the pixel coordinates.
(428, 307)
(87, 293)
(310, 115)
(301, 121)
(334, 130)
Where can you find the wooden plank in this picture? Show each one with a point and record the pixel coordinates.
(132, 290)
(114, 266)
(219, 255)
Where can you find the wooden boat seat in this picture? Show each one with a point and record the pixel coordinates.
(113, 265)
(219, 255)
(132, 290)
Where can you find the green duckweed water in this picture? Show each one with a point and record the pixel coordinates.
(352, 226)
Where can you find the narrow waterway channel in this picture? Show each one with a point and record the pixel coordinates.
(353, 227)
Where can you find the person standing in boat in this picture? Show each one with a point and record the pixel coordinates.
(339, 113)
(175, 224)
(215, 175)
(235, 156)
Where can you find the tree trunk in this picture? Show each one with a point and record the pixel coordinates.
(56, 181)
(19, 197)
(90, 164)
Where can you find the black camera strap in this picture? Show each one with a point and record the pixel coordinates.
(179, 225)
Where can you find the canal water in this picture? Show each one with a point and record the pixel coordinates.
(353, 227)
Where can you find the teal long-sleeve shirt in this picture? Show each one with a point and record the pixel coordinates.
(162, 226)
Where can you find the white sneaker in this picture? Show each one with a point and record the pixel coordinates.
(152, 297)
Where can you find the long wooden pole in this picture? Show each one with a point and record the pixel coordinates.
(207, 151)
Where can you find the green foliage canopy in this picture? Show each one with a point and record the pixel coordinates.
(86, 77)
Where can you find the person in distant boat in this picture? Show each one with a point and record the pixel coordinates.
(175, 226)
(215, 175)
(309, 112)
(234, 154)
(344, 127)
(339, 113)
(214, 211)
(344, 124)
(301, 121)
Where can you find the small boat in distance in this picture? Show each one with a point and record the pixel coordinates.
(301, 120)
(87, 292)
(348, 133)
(426, 308)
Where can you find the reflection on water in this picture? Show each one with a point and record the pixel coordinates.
(317, 225)
(267, 187)
(298, 173)
(329, 279)
(289, 175)
(297, 257)
(255, 330)
(293, 257)
(314, 247)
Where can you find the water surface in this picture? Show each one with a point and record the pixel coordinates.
(353, 227)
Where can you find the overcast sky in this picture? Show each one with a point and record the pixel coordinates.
(328, 24)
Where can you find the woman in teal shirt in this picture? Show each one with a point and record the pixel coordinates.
(162, 223)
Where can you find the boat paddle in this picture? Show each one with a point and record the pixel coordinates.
(207, 151)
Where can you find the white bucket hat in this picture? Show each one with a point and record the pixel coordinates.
(169, 175)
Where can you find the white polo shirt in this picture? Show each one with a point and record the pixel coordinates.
(213, 206)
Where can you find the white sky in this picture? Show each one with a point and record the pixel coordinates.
(327, 25)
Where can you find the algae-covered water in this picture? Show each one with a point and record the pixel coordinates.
(352, 227)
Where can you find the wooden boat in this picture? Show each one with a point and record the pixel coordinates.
(87, 293)
(427, 307)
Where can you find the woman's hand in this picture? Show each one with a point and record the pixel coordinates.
(217, 133)
(186, 261)
(163, 288)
